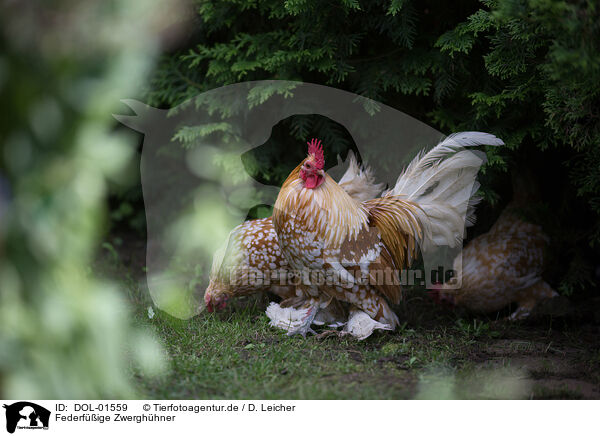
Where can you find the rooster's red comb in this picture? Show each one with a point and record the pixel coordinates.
(316, 149)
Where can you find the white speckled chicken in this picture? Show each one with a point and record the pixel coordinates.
(251, 263)
(501, 267)
(322, 229)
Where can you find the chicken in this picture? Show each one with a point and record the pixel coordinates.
(352, 251)
(501, 267)
(252, 261)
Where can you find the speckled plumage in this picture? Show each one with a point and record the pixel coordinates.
(321, 228)
(252, 262)
(324, 229)
(253, 251)
(501, 267)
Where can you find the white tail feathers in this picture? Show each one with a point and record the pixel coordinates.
(442, 182)
(358, 181)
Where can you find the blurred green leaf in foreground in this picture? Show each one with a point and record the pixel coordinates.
(63, 68)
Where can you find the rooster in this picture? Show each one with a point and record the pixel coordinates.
(504, 265)
(321, 229)
(253, 262)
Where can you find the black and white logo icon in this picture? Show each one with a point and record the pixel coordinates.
(26, 415)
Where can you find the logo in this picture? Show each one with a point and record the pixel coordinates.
(26, 415)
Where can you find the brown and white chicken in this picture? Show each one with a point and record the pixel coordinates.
(351, 245)
(501, 267)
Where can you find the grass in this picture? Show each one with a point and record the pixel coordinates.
(237, 355)
(434, 354)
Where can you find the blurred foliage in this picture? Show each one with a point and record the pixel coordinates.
(63, 68)
(525, 70)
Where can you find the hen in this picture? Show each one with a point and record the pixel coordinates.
(342, 248)
(253, 262)
(501, 267)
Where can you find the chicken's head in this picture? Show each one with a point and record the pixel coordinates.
(312, 171)
(219, 288)
(215, 297)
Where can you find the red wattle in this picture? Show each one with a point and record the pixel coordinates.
(311, 181)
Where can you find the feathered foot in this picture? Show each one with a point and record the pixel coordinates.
(361, 326)
(294, 321)
(529, 297)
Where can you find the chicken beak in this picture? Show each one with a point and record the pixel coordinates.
(208, 302)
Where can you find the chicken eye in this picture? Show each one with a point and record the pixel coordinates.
(308, 165)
